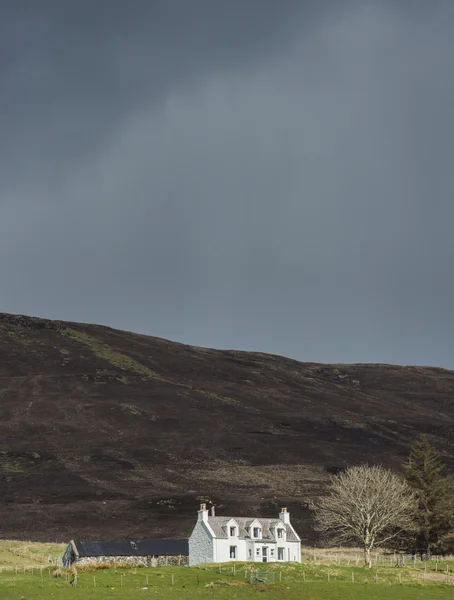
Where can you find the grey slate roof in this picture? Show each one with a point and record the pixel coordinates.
(158, 547)
(219, 526)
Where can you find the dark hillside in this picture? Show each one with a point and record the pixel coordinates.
(105, 433)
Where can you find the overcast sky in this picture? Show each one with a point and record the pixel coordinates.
(271, 175)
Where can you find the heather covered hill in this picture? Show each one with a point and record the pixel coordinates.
(105, 433)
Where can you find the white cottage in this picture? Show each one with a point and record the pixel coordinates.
(225, 539)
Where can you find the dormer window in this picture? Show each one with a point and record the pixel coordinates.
(256, 532)
(280, 533)
(232, 531)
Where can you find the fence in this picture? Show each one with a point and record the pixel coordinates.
(380, 558)
(261, 577)
(240, 574)
(195, 580)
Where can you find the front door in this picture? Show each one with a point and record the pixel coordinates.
(264, 554)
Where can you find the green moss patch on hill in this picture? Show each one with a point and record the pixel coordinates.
(117, 359)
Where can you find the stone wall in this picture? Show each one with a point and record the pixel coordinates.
(200, 545)
(136, 561)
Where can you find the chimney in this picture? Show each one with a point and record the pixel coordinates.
(284, 516)
(203, 513)
(213, 514)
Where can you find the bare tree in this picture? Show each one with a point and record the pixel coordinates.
(365, 505)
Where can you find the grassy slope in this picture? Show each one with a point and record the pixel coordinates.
(192, 584)
(112, 434)
(15, 553)
(291, 580)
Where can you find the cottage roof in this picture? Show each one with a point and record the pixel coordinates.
(158, 547)
(218, 525)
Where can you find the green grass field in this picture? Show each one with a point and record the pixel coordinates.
(309, 581)
(332, 574)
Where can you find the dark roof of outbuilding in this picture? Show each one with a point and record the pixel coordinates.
(158, 547)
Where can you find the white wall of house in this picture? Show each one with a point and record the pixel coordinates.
(201, 544)
(223, 550)
(290, 551)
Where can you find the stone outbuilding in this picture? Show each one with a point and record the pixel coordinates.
(150, 553)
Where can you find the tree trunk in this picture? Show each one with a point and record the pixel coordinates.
(367, 558)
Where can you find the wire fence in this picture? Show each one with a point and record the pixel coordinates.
(218, 576)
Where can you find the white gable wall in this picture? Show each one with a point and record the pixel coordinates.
(201, 546)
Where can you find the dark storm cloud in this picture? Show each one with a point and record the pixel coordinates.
(263, 175)
(72, 70)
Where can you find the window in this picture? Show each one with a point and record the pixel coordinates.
(258, 551)
(256, 532)
(280, 553)
(133, 545)
(232, 531)
(280, 533)
(272, 551)
(232, 551)
(250, 553)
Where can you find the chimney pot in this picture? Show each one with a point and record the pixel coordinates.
(202, 515)
(284, 516)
